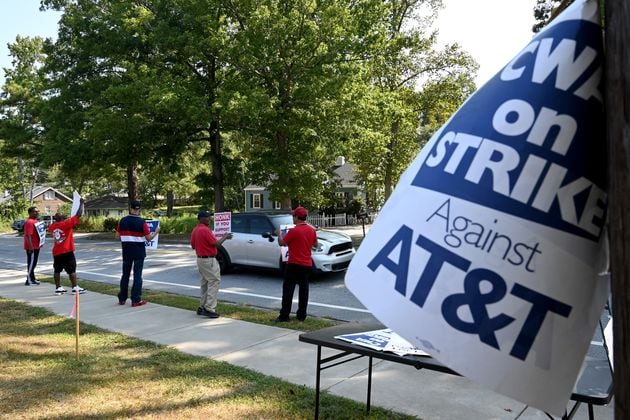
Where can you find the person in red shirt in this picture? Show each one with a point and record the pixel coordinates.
(63, 250)
(31, 245)
(203, 241)
(301, 239)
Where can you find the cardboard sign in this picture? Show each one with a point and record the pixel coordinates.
(222, 224)
(153, 225)
(40, 227)
(284, 250)
(487, 254)
(76, 202)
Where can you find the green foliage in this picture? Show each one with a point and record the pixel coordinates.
(90, 224)
(110, 224)
(180, 225)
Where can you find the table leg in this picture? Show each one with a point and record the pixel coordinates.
(319, 365)
(369, 387)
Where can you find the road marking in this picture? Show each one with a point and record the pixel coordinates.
(234, 292)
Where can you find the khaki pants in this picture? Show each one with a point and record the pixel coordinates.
(210, 280)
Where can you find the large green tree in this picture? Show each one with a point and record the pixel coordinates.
(293, 60)
(21, 130)
(133, 84)
(410, 88)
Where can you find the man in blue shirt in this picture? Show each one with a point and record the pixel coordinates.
(133, 231)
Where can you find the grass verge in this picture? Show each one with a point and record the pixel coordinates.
(122, 377)
(234, 311)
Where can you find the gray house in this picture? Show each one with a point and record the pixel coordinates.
(257, 197)
(108, 206)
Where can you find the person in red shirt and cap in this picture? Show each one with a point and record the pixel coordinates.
(301, 239)
(205, 244)
(63, 250)
(31, 244)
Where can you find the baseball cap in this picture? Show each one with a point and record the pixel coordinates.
(203, 213)
(134, 204)
(300, 212)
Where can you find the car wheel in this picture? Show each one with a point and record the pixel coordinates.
(224, 262)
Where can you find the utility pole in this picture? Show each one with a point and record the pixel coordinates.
(617, 40)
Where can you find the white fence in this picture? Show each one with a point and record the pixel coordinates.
(340, 219)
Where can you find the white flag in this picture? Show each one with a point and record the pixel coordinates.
(486, 253)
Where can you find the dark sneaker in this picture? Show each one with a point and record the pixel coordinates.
(280, 319)
(122, 302)
(36, 282)
(136, 304)
(205, 312)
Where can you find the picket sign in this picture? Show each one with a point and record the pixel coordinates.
(487, 253)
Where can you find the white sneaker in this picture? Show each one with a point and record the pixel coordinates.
(78, 289)
(60, 290)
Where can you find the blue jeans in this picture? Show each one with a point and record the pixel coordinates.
(136, 288)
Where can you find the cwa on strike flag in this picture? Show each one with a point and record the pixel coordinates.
(487, 254)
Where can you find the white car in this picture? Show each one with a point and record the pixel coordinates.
(255, 244)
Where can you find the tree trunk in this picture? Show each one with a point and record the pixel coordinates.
(132, 182)
(170, 201)
(216, 157)
(618, 139)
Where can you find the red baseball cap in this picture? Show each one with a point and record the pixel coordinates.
(300, 212)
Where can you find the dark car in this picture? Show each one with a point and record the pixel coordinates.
(255, 244)
(18, 225)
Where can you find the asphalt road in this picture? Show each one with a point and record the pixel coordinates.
(172, 268)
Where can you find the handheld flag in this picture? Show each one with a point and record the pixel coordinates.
(487, 253)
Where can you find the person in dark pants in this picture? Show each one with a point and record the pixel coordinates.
(63, 250)
(301, 239)
(133, 231)
(31, 245)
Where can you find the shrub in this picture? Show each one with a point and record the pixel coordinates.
(182, 224)
(109, 224)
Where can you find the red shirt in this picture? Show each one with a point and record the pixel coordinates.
(301, 239)
(30, 230)
(203, 241)
(63, 239)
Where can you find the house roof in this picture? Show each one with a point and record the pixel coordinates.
(346, 174)
(41, 189)
(37, 191)
(107, 202)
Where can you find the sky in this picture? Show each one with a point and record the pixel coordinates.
(492, 31)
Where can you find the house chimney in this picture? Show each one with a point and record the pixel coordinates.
(340, 161)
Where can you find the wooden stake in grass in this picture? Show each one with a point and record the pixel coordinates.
(75, 312)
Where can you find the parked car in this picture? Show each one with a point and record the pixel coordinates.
(19, 224)
(255, 244)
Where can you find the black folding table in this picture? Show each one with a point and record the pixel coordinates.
(593, 387)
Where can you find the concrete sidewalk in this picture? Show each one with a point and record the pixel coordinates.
(277, 352)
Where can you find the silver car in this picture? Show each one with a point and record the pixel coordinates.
(255, 244)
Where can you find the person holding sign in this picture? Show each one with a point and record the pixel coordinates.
(63, 250)
(300, 240)
(133, 231)
(203, 241)
(31, 245)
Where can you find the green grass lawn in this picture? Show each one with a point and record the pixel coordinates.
(234, 311)
(121, 377)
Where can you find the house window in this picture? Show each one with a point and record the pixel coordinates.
(277, 205)
(256, 201)
(49, 195)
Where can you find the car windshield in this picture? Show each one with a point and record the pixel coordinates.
(282, 219)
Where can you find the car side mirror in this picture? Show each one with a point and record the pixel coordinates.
(269, 236)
